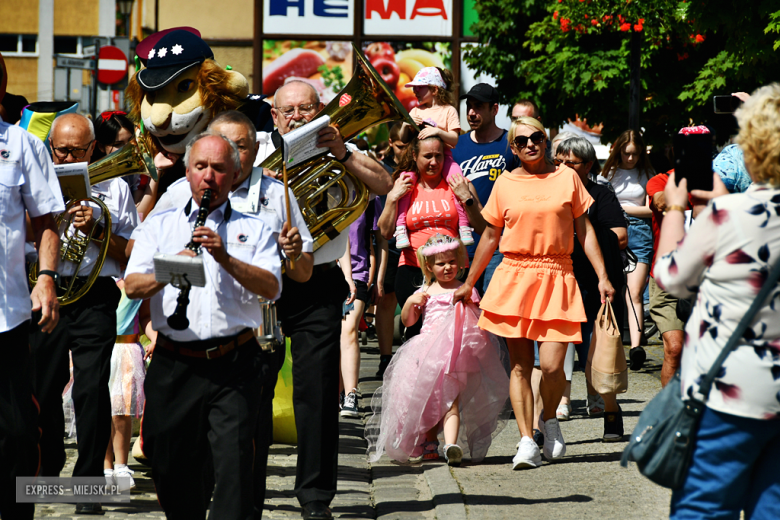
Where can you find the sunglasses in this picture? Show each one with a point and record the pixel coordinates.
(522, 140)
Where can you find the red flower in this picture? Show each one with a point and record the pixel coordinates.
(641, 21)
(682, 57)
(586, 16)
(699, 38)
(638, 27)
(594, 22)
(621, 19)
(625, 27)
(565, 25)
(555, 15)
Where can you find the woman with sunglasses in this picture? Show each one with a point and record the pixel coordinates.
(533, 295)
(628, 169)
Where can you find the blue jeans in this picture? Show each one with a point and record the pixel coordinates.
(736, 466)
(487, 274)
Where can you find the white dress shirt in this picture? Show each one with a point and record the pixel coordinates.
(27, 182)
(267, 203)
(115, 194)
(223, 307)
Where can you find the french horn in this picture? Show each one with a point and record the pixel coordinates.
(133, 158)
(330, 196)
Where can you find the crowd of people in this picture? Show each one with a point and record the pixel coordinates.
(499, 246)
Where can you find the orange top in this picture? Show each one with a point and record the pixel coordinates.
(445, 116)
(538, 211)
(430, 212)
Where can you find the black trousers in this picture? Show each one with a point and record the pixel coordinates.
(18, 421)
(265, 429)
(311, 316)
(87, 328)
(195, 407)
(408, 279)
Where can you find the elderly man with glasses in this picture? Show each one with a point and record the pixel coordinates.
(87, 327)
(311, 311)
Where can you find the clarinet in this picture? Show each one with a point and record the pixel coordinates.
(178, 320)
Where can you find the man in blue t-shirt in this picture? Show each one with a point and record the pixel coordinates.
(483, 154)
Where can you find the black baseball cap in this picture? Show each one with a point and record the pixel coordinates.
(482, 92)
(174, 53)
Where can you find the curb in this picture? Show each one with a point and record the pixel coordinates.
(447, 497)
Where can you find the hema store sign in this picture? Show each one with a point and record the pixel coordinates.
(336, 17)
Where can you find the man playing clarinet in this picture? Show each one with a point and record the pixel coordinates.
(203, 385)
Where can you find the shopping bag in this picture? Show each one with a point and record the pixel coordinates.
(606, 358)
(284, 417)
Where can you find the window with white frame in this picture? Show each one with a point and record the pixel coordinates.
(19, 44)
(72, 45)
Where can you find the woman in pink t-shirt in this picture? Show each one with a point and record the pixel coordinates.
(431, 209)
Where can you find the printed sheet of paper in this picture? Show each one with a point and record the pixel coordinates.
(74, 180)
(173, 268)
(301, 143)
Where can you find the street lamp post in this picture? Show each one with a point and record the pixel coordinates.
(125, 8)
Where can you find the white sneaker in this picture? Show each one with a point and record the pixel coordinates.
(401, 238)
(528, 455)
(123, 476)
(466, 236)
(554, 447)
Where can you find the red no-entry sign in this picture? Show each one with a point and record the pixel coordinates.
(112, 65)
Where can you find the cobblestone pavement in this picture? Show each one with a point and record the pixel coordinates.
(587, 483)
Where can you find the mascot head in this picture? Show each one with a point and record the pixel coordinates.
(181, 89)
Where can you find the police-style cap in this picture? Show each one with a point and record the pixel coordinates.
(482, 92)
(148, 43)
(176, 52)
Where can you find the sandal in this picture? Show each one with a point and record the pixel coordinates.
(563, 413)
(453, 454)
(430, 451)
(596, 405)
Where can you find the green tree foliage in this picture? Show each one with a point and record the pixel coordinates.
(573, 56)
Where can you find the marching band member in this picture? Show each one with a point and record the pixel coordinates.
(87, 327)
(27, 183)
(203, 385)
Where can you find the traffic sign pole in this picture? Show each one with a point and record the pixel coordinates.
(98, 45)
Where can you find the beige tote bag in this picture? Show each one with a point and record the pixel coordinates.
(606, 357)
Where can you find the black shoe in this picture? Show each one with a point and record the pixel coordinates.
(637, 356)
(613, 426)
(538, 438)
(384, 360)
(89, 508)
(316, 511)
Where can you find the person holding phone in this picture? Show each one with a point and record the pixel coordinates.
(628, 169)
(726, 257)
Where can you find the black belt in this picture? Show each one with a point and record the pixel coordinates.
(321, 268)
(207, 349)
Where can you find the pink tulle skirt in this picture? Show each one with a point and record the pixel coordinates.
(455, 359)
(126, 382)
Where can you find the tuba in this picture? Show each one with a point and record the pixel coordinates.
(330, 196)
(133, 158)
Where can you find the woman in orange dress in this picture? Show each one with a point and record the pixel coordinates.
(533, 295)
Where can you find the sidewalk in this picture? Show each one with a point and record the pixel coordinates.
(587, 483)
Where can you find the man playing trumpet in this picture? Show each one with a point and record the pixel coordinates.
(203, 385)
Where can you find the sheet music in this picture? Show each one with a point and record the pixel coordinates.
(301, 143)
(173, 268)
(74, 180)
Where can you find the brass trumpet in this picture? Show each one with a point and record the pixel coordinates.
(133, 158)
(330, 196)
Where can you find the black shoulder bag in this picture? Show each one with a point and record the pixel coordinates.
(664, 438)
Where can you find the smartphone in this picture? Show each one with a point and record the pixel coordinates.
(693, 160)
(725, 104)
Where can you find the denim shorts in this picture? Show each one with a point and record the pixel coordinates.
(640, 238)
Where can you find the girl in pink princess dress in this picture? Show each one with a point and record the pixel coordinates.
(436, 116)
(451, 378)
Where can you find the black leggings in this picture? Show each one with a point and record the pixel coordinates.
(408, 279)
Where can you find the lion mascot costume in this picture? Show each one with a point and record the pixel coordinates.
(179, 91)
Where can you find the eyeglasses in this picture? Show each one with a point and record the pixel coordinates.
(558, 162)
(77, 153)
(522, 140)
(305, 110)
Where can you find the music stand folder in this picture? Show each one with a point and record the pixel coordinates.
(179, 270)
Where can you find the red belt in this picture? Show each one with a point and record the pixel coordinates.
(210, 353)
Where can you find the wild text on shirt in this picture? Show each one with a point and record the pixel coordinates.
(426, 214)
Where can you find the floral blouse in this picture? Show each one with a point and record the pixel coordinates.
(727, 255)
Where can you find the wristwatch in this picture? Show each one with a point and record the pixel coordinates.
(675, 207)
(470, 201)
(346, 156)
(54, 275)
